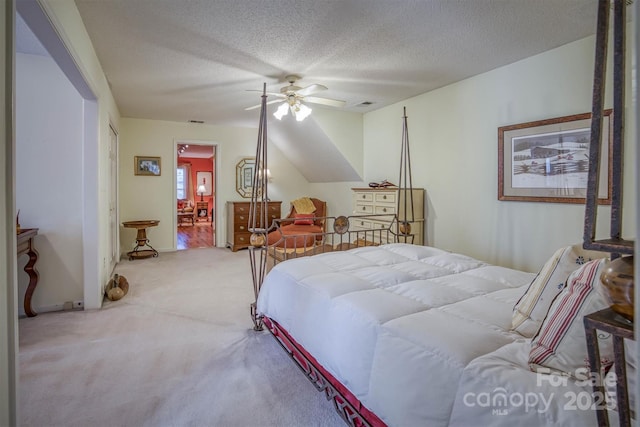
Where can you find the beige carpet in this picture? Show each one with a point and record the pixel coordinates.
(177, 350)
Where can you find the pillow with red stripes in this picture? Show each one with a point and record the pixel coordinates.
(532, 307)
(560, 345)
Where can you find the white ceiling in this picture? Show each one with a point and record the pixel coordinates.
(198, 151)
(196, 59)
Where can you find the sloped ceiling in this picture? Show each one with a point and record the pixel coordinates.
(306, 144)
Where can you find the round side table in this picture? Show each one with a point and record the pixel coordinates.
(139, 252)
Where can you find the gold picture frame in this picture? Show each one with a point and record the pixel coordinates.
(147, 166)
(245, 170)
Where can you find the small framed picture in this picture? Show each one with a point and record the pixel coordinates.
(145, 165)
(204, 178)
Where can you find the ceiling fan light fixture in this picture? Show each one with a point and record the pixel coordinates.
(282, 111)
(302, 111)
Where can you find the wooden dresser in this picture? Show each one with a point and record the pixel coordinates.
(237, 222)
(373, 201)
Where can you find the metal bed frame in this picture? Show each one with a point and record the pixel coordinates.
(340, 237)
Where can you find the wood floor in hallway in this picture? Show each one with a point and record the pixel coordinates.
(198, 235)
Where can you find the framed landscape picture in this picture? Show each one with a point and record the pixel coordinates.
(548, 160)
(144, 165)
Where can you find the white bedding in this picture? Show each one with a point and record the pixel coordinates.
(536, 400)
(396, 324)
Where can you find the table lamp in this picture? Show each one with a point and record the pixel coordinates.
(201, 190)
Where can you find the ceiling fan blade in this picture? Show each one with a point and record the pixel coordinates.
(268, 93)
(311, 89)
(259, 105)
(325, 101)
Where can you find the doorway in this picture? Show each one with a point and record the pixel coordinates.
(195, 194)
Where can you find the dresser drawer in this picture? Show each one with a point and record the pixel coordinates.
(364, 197)
(242, 218)
(241, 208)
(364, 209)
(241, 227)
(385, 210)
(389, 197)
(241, 239)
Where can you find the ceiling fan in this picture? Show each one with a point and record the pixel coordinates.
(294, 98)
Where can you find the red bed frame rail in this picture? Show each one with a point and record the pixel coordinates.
(345, 403)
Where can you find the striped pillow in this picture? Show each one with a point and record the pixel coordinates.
(560, 344)
(532, 307)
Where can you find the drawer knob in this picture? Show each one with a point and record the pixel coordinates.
(384, 209)
(242, 227)
(364, 208)
(364, 197)
(241, 239)
(384, 196)
(241, 217)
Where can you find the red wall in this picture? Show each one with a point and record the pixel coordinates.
(200, 165)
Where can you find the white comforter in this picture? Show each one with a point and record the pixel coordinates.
(396, 324)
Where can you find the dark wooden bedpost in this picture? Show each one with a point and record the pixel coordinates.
(611, 322)
(616, 245)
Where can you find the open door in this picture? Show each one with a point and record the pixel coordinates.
(195, 195)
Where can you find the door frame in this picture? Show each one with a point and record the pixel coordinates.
(216, 167)
(114, 234)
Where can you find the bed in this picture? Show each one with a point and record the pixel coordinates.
(406, 335)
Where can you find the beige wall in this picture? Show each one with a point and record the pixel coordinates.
(45, 96)
(453, 135)
(147, 197)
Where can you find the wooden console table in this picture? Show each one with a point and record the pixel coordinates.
(25, 246)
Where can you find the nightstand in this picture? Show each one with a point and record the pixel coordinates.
(620, 328)
(202, 211)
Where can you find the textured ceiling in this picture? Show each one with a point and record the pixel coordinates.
(196, 59)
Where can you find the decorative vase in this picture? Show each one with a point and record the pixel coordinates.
(617, 280)
(117, 287)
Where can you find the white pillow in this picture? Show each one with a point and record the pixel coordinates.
(532, 307)
(560, 344)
